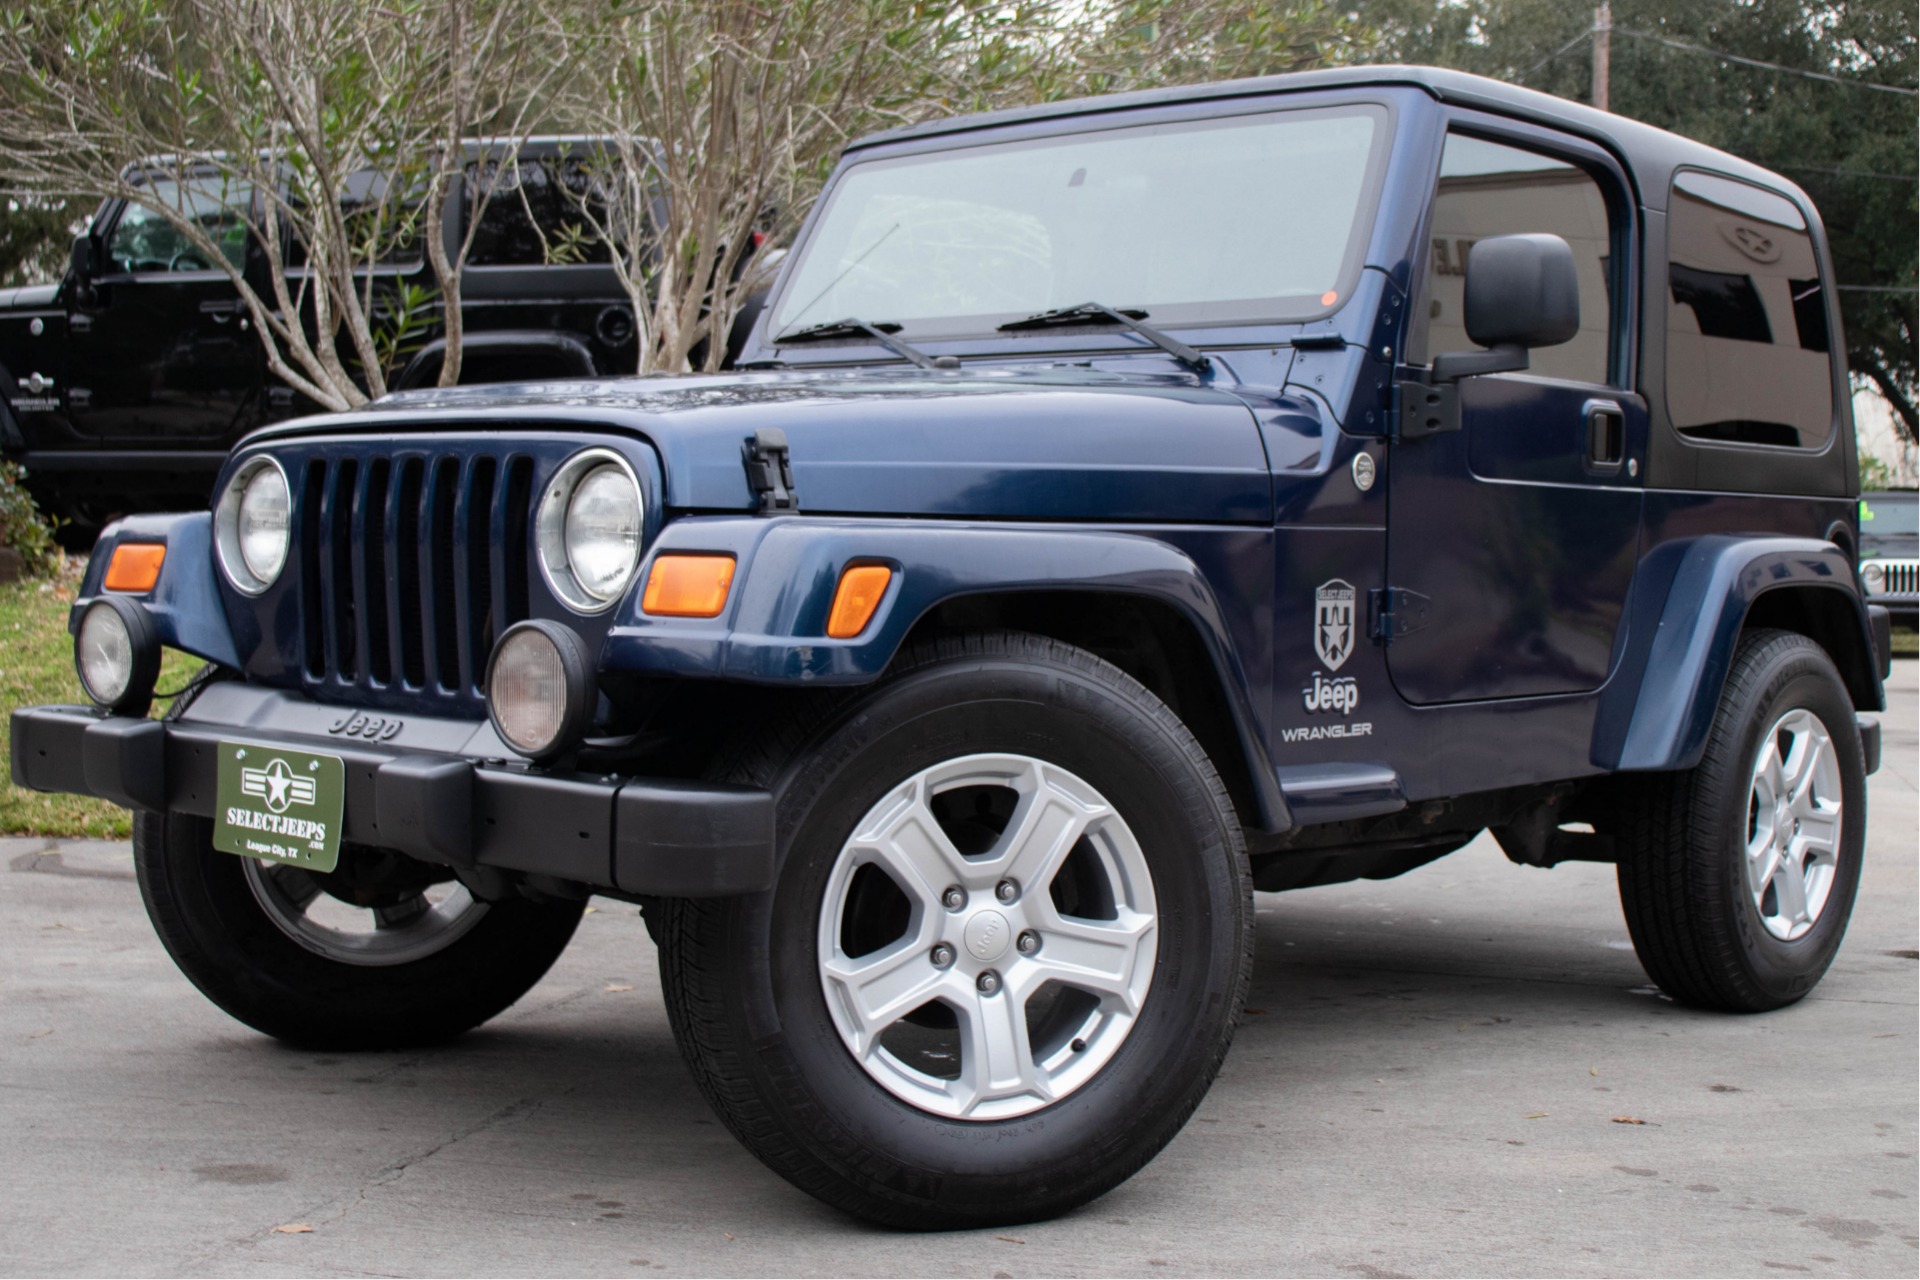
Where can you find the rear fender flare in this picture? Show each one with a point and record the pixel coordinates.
(476, 347)
(1691, 599)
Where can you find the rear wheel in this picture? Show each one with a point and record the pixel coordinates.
(1003, 956)
(384, 952)
(1737, 877)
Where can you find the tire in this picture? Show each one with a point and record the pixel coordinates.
(884, 1136)
(1701, 928)
(234, 927)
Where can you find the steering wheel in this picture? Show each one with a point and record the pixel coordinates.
(189, 261)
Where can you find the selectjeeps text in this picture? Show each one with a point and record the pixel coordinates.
(1122, 505)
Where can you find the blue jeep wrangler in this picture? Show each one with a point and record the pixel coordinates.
(1123, 505)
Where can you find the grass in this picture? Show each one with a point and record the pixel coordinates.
(1906, 644)
(36, 666)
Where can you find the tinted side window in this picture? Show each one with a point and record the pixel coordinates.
(1490, 189)
(144, 241)
(377, 212)
(532, 215)
(1747, 347)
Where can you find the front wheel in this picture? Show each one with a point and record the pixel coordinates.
(381, 953)
(1003, 957)
(1738, 876)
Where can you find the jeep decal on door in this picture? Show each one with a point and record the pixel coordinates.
(1333, 623)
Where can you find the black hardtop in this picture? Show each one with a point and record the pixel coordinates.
(1651, 155)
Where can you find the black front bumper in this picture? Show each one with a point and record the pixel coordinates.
(641, 836)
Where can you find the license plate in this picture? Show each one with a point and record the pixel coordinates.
(282, 806)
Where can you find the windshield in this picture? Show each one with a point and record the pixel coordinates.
(1247, 218)
(1885, 513)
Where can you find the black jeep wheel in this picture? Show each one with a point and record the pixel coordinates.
(1006, 947)
(1737, 876)
(383, 953)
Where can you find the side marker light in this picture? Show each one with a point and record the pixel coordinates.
(135, 566)
(859, 594)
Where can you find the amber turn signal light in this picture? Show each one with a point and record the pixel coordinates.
(858, 596)
(692, 586)
(135, 566)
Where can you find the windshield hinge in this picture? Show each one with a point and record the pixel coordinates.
(1422, 408)
(1394, 612)
(770, 470)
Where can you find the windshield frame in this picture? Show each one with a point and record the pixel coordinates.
(1198, 114)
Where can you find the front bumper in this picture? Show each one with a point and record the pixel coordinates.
(423, 790)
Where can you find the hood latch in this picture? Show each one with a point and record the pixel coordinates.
(770, 471)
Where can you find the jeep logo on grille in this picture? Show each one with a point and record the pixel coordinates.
(373, 728)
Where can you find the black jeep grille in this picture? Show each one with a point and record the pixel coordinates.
(410, 565)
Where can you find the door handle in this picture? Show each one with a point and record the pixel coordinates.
(219, 312)
(1606, 435)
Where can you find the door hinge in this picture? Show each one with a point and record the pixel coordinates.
(1423, 409)
(280, 397)
(79, 397)
(78, 322)
(1394, 612)
(770, 470)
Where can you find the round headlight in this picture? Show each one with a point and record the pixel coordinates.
(117, 655)
(1873, 576)
(588, 530)
(539, 690)
(253, 524)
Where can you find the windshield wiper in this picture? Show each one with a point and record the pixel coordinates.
(851, 328)
(1100, 313)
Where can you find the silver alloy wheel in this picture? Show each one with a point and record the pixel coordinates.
(1793, 824)
(411, 930)
(1009, 1000)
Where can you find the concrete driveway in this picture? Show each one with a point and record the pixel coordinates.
(1463, 1071)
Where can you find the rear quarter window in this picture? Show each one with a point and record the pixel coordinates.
(537, 213)
(1748, 352)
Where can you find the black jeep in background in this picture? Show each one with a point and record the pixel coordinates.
(123, 386)
(1890, 552)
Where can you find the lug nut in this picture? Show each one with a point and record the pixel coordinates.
(988, 982)
(954, 898)
(942, 956)
(1027, 943)
(1006, 891)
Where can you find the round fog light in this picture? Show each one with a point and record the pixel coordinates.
(540, 692)
(117, 655)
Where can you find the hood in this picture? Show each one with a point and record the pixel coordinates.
(33, 297)
(1891, 546)
(1053, 443)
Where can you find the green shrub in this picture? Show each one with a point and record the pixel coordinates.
(23, 527)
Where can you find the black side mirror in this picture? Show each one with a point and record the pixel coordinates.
(1521, 292)
(84, 261)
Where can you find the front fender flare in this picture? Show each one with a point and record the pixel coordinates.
(185, 603)
(773, 630)
(1690, 601)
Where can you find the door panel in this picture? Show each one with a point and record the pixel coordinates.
(165, 357)
(1523, 555)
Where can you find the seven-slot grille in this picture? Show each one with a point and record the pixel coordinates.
(411, 564)
(1902, 577)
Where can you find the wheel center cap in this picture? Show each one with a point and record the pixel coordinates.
(987, 935)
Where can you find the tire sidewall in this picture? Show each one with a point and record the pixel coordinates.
(1798, 677)
(1124, 1114)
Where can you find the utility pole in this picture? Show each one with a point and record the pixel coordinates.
(1602, 51)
